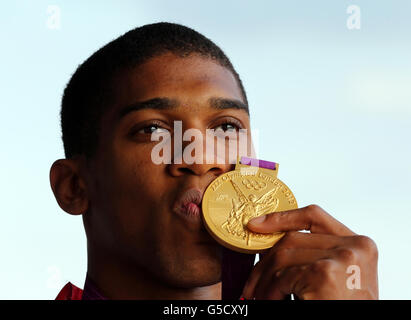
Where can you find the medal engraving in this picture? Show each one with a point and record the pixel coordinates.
(246, 208)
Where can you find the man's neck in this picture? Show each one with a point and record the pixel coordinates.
(113, 280)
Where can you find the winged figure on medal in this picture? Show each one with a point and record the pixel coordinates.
(247, 208)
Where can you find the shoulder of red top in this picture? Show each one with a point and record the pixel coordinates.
(70, 292)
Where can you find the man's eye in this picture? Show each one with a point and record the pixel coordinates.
(151, 128)
(227, 127)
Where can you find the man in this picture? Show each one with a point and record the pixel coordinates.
(139, 245)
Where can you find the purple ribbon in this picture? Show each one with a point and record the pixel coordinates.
(258, 163)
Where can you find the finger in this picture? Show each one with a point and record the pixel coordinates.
(306, 240)
(311, 218)
(282, 283)
(258, 270)
(279, 259)
(304, 281)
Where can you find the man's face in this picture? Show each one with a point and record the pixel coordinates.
(131, 217)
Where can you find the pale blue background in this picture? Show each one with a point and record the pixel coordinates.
(332, 105)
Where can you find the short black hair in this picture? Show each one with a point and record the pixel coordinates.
(90, 89)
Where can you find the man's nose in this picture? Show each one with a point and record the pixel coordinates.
(199, 163)
(198, 169)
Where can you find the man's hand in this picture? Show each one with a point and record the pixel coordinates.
(312, 265)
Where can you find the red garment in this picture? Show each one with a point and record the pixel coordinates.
(70, 292)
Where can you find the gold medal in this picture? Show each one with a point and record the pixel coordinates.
(237, 196)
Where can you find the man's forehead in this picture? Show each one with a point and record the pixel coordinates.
(169, 75)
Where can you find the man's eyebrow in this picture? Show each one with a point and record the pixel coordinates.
(223, 103)
(167, 103)
(155, 103)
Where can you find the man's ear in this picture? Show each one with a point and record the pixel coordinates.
(69, 187)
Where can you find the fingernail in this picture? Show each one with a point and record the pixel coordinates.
(258, 220)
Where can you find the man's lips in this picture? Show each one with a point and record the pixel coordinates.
(188, 207)
(188, 204)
